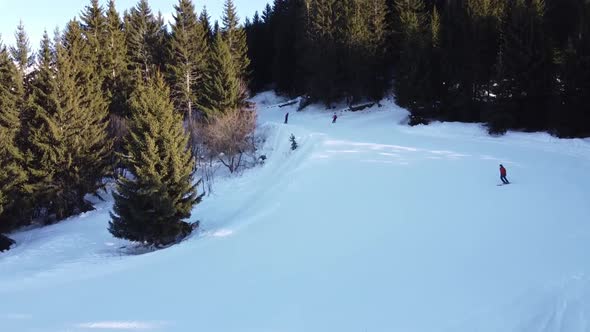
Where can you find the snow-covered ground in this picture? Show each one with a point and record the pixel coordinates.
(370, 225)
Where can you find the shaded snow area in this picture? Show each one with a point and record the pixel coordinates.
(370, 225)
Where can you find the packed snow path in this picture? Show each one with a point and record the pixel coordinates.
(368, 226)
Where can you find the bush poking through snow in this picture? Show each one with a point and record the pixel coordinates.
(293, 142)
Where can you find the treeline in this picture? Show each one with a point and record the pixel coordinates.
(115, 94)
(329, 50)
(522, 64)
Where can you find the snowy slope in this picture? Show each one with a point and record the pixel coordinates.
(369, 226)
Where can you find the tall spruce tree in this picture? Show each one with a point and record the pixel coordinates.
(13, 175)
(376, 11)
(9, 98)
(256, 47)
(222, 91)
(145, 40)
(235, 37)
(484, 40)
(41, 80)
(40, 104)
(412, 82)
(526, 65)
(187, 59)
(282, 46)
(152, 204)
(21, 51)
(116, 81)
(205, 21)
(72, 144)
(435, 28)
(94, 25)
(322, 61)
(367, 48)
(216, 29)
(24, 60)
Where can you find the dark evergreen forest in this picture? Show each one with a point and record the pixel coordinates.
(514, 64)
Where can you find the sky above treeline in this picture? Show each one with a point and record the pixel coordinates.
(40, 15)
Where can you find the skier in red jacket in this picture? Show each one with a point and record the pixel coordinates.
(503, 175)
(334, 117)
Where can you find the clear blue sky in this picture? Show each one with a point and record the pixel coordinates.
(38, 15)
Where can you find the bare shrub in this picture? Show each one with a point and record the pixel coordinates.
(229, 137)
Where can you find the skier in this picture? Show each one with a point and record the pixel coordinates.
(286, 117)
(334, 117)
(503, 175)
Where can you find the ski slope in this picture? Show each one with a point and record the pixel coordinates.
(370, 225)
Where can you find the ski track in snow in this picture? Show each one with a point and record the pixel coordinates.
(369, 225)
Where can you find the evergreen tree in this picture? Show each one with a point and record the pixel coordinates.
(294, 144)
(94, 25)
(13, 175)
(205, 21)
(187, 64)
(323, 62)
(526, 64)
(9, 112)
(261, 40)
(267, 13)
(571, 118)
(41, 80)
(436, 68)
(161, 42)
(235, 37)
(21, 55)
(484, 40)
(40, 104)
(255, 48)
(222, 91)
(145, 39)
(412, 84)
(72, 144)
(282, 46)
(435, 28)
(116, 81)
(21, 52)
(150, 206)
(367, 48)
(216, 29)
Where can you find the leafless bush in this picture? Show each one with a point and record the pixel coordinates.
(204, 165)
(229, 137)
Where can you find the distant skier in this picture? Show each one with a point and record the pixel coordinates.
(503, 175)
(334, 117)
(287, 118)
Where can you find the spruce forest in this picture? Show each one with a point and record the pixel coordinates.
(116, 97)
(126, 96)
(514, 64)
